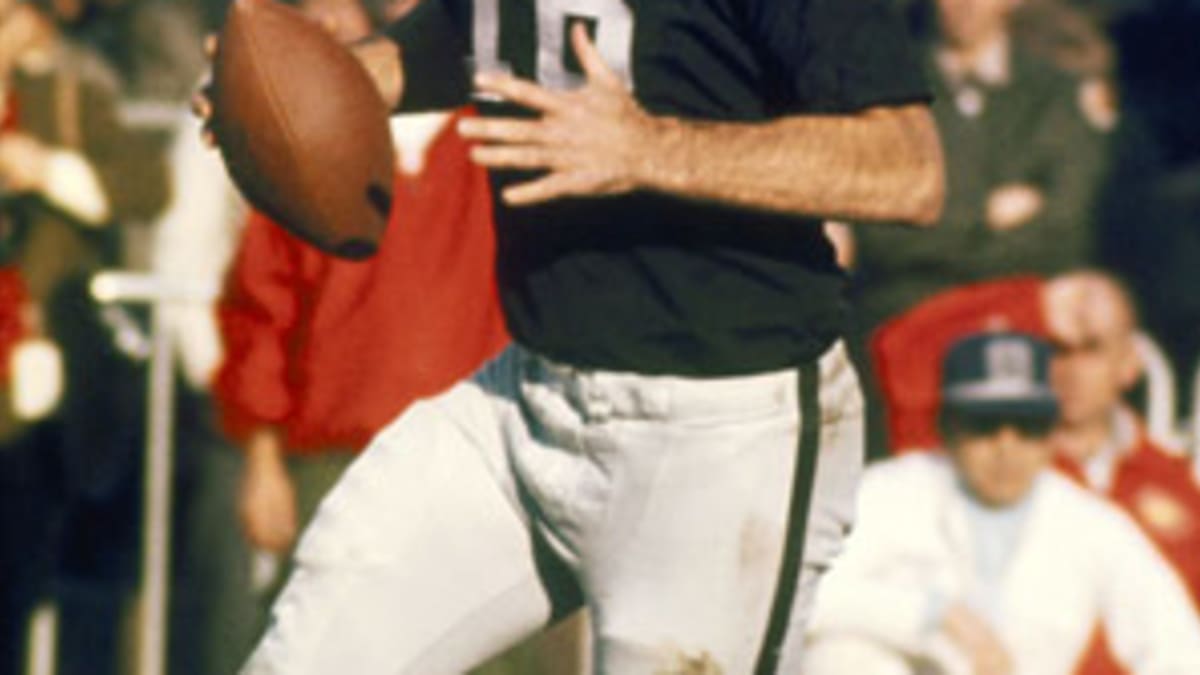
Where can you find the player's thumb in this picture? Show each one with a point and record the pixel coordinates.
(590, 58)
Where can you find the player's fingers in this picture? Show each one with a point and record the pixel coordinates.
(516, 90)
(202, 105)
(210, 45)
(494, 130)
(545, 189)
(511, 157)
(589, 57)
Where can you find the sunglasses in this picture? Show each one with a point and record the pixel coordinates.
(1027, 427)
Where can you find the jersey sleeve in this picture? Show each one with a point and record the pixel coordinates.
(434, 41)
(258, 315)
(838, 56)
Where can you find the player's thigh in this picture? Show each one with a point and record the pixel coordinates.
(418, 561)
(683, 574)
(689, 577)
(839, 467)
(834, 491)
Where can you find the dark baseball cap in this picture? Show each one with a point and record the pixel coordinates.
(1003, 375)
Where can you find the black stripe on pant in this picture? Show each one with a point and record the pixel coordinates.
(809, 445)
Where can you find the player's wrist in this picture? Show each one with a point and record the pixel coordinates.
(264, 449)
(661, 161)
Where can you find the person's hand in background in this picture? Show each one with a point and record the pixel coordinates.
(977, 641)
(23, 163)
(267, 498)
(1011, 206)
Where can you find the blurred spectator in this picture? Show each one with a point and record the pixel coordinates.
(1024, 160)
(194, 243)
(906, 351)
(982, 560)
(156, 46)
(1100, 442)
(1023, 165)
(156, 50)
(1065, 34)
(64, 181)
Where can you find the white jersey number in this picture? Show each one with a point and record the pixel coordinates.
(610, 23)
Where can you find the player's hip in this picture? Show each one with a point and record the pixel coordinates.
(599, 396)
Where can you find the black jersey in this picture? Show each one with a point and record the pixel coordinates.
(646, 282)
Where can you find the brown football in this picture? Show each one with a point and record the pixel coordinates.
(302, 128)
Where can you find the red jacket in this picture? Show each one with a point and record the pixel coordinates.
(328, 350)
(13, 299)
(1158, 490)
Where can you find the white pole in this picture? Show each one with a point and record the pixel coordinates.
(43, 640)
(156, 516)
(156, 519)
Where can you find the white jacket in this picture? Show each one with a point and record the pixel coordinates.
(1078, 561)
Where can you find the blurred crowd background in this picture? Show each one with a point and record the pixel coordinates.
(1071, 135)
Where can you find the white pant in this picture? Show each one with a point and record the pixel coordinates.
(665, 498)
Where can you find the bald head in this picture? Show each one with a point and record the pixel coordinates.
(1089, 305)
(1092, 322)
(968, 25)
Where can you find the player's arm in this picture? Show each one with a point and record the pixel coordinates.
(883, 163)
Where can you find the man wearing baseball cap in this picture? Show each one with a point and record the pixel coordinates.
(982, 560)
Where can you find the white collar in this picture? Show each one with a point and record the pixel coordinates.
(413, 134)
(1099, 469)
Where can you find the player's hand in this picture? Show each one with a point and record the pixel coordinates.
(1011, 206)
(590, 141)
(845, 247)
(202, 106)
(23, 162)
(267, 499)
(379, 56)
(977, 640)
